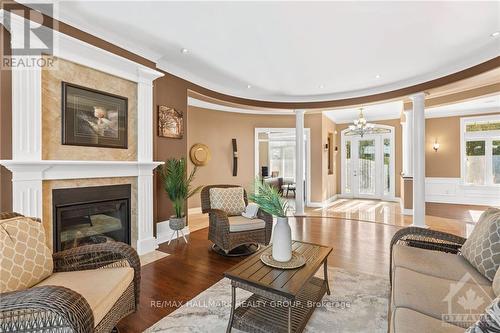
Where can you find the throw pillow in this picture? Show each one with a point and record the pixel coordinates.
(25, 259)
(229, 200)
(489, 321)
(482, 248)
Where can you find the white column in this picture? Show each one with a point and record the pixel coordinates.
(408, 144)
(418, 159)
(146, 242)
(299, 168)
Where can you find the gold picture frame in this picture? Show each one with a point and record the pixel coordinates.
(170, 122)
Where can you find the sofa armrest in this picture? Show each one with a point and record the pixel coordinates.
(269, 223)
(426, 239)
(45, 308)
(103, 255)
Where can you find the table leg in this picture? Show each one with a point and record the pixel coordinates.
(290, 319)
(325, 267)
(233, 304)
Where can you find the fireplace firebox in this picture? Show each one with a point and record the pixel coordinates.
(88, 215)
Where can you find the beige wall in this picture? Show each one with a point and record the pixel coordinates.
(329, 181)
(67, 71)
(396, 123)
(446, 161)
(216, 129)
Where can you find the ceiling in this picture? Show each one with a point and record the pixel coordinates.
(297, 51)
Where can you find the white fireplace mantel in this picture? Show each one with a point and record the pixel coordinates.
(57, 169)
(28, 168)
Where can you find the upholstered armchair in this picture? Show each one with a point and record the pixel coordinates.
(84, 289)
(227, 228)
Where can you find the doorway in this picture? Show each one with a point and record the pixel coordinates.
(368, 164)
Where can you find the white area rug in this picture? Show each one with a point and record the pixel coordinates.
(358, 303)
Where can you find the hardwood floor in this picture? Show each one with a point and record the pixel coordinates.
(361, 246)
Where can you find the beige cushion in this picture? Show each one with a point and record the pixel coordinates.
(25, 259)
(100, 287)
(436, 297)
(440, 264)
(409, 321)
(230, 200)
(240, 223)
(482, 248)
(496, 283)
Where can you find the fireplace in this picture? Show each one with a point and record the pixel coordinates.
(88, 215)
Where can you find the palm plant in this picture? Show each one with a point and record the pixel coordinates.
(268, 199)
(177, 184)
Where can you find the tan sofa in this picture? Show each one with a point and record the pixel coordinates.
(434, 288)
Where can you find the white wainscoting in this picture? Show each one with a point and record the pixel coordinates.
(451, 190)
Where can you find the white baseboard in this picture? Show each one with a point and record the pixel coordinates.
(451, 190)
(315, 204)
(146, 245)
(195, 210)
(163, 232)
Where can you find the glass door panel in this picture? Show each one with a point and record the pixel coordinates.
(387, 166)
(348, 168)
(366, 167)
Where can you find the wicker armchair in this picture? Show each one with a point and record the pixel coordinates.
(219, 229)
(53, 308)
(426, 239)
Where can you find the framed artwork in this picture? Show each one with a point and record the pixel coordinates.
(93, 118)
(170, 122)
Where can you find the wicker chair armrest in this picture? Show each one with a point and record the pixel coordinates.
(221, 217)
(45, 308)
(426, 239)
(103, 255)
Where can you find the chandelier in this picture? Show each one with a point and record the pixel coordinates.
(360, 126)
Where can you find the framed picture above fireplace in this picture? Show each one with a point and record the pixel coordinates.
(93, 118)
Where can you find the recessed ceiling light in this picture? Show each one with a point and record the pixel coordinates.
(321, 86)
(377, 76)
(249, 86)
(183, 50)
(495, 34)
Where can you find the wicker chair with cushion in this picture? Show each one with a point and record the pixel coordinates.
(84, 289)
(229, 230)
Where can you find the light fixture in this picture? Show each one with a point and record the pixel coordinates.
(436, 145)
(184, 51)
(321, 86)
(249, 86)
(377, 76)
(495, 34)
(361, 126)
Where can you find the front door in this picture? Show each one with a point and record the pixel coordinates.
(368, 165)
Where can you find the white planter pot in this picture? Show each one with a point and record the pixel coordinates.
(282, 240)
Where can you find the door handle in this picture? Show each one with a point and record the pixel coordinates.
(355, 174)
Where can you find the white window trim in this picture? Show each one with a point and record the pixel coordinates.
(490, 135)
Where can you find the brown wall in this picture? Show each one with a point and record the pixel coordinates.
(171, 91)
(216, 129)
(396, 123)
(446, 161)
(5, 124)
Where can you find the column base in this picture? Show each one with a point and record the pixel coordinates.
(146, 245)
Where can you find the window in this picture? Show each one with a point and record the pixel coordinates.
(282, 158)
(481, 150)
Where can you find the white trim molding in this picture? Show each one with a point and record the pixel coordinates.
(451, 190)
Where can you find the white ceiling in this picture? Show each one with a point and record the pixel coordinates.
(297, 51)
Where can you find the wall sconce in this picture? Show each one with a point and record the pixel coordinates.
(435, 146)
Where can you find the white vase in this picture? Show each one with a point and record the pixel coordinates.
(282, 240)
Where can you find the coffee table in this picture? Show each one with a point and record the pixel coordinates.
(282, 300)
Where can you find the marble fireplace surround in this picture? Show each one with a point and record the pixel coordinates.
(30, 172)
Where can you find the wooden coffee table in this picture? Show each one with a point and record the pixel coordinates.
(282, 300)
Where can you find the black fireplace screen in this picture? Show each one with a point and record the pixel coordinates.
(91, 215)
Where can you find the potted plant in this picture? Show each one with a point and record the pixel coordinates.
(177, 185)
(270, 201)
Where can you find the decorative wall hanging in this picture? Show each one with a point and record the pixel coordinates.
(199, 154)
(235, 158)
(170, 122)
(93, 118)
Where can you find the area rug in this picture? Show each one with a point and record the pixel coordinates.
(358, 303)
